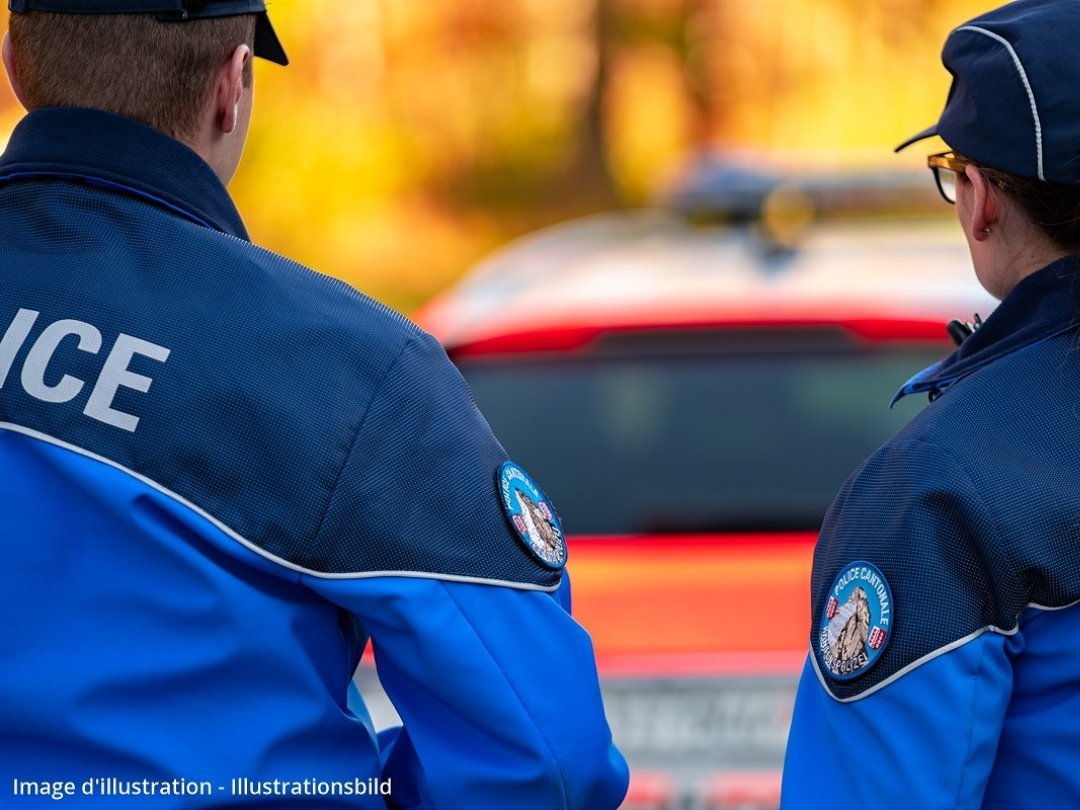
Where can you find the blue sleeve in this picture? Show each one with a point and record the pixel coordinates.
(927, 740)
(498, 694)
(914, 605)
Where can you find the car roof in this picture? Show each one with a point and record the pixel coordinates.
(654, 268)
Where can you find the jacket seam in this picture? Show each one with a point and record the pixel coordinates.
(986, 507)
(521, 703)
(354, 441)
(971, 725)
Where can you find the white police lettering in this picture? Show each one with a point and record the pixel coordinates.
(13, 338)
(33, 371)
(114, 374)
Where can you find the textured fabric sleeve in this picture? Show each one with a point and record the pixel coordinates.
(927, 741)
(911, 550)
(498, 693)
(417, 494)
(912, 512)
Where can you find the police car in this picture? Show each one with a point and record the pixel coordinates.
(692, 384)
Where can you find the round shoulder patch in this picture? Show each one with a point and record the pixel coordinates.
(530, 514)
(857, 621)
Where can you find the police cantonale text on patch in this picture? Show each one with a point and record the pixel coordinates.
(857, 621)
(531, 515)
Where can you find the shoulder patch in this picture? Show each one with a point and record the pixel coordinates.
(857, 621)
(531, 515)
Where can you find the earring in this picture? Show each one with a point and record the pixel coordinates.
(983, 235)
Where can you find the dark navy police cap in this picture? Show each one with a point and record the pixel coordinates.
(1014, 103)
(267, 44)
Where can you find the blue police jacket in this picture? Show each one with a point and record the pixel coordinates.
(944, 670)
(221, 473)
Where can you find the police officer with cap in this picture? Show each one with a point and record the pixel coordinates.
(222, 474)
(943, 668)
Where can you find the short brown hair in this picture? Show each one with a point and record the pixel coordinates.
(159, 73)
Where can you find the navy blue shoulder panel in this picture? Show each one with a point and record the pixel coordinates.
(305, 418)
(969, 514)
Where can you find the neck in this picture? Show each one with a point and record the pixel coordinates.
(215, 157)
(1014, 250)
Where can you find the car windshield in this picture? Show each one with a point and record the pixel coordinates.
(697, 441)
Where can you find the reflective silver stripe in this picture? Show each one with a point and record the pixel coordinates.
(44, 437)
(1027, 86)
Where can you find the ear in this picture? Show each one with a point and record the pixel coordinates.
(230, 89)
(984, 205)
(12, 70)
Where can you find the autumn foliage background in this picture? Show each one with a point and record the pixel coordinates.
(410, 137)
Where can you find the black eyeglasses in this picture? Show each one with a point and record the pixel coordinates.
(946, 167)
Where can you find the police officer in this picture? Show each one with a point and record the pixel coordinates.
(221, 474)
(944, 669)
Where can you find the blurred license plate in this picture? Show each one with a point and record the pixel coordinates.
(741, 722)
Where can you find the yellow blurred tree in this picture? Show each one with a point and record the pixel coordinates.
(409, 137)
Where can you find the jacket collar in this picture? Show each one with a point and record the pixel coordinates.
(1043, 305)
(121, 154)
